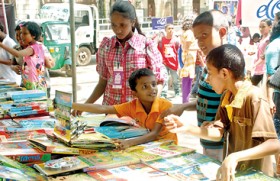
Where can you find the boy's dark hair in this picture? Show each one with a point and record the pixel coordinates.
(230, 57)
(256, 35)
(34, 29)
(214, 18)
(1, 27)
(128, 11)
(137, 74)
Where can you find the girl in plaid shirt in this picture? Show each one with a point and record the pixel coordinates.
(121, 55)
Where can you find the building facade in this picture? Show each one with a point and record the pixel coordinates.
(178, 9)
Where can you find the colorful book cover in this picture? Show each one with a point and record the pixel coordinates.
(8, 162)
(8, 173)
(55, 147)
(27, 94)
(252, 174)
(60, 166)
(27, 124)
(206, 171)
(23, 151)
(65, 126)
(72, 177)
(9, 123)
(171, 165)
(122, 132)
(93, 141)
(23, 135)
(155, 153)
(113, 120)
(108, 159)
(138, 171)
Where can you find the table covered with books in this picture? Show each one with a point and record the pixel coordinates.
(37, 146)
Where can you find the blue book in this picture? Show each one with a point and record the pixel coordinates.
(27, 94)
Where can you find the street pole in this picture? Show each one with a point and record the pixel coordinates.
(73, 50)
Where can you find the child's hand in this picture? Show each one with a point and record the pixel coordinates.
(172, 123)
(121, 144)
(16, 69)
(76, 113)
(227, 170)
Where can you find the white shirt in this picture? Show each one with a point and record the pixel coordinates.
(5, 71)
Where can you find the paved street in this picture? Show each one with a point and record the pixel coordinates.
(87, 79)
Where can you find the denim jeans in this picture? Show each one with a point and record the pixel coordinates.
(198, 72)
(175, 81)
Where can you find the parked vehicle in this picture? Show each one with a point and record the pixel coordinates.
(86, 25)
(90, 29)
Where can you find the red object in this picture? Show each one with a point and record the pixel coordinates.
(238, 14)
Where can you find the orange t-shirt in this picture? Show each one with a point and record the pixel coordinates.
(135, 110)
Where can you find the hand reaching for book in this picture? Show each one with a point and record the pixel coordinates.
(121, 144)
(76, 112)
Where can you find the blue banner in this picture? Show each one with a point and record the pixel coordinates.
(159, 23)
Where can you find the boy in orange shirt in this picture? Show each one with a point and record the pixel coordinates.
(145, 109)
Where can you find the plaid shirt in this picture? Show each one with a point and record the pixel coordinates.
(138, 52)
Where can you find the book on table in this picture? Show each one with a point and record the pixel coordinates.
(4, 123)
(135, 172)
(194, 166)
(23, 151)
(72, 177)
(108, 159)
(10, 167)
(56, 147)
(14, 174)
(33, 123)
(151, 153)
(60, 166)
(23, 135)
(252, 174)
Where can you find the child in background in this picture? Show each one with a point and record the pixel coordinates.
(33, 57)
(243, 117)
(259, 63)
(189, 51)
(145, 108)
(250, 54)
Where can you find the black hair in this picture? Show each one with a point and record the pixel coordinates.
(214, 18)
(19, 25)
(230, 57)
(34, 29)
(137, 74)
(128, 11)
(267, 21)
(256, 35)
(1, 27)
(277, 15)
(275, 31)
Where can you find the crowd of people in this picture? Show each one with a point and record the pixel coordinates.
(238, 123)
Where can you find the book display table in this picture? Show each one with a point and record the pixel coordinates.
(41, 147)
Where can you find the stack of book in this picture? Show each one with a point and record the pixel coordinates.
(70, 130)
(13, 170)
(24, 103)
